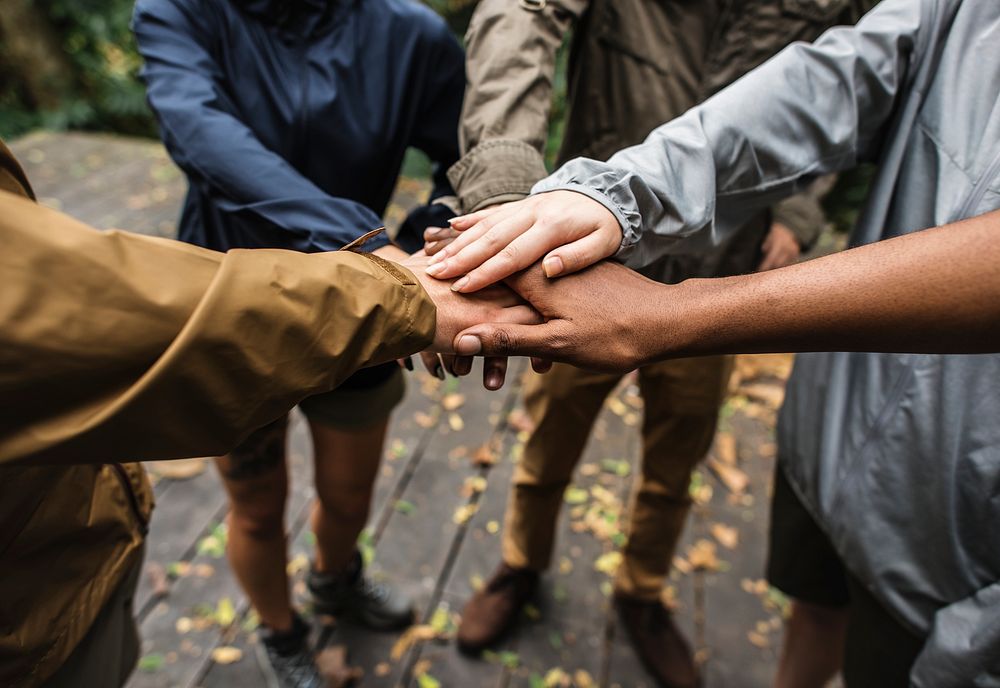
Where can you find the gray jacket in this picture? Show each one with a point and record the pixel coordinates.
(897, 456)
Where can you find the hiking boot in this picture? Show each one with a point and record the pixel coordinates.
(352, 596)
(658, 642)
(493, 610)
(285, 659)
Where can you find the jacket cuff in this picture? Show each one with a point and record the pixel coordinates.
(419, 311)
(495, 172)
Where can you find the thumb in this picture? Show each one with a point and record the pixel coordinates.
(501, 339)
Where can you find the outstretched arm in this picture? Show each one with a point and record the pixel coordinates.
(115, 346)
(935, 291)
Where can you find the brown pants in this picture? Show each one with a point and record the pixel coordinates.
(682, 401)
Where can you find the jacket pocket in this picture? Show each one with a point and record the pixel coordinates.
(824, 11)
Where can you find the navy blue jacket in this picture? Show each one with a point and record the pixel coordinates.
(291, 118)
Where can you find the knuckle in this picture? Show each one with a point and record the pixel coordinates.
(504, 343)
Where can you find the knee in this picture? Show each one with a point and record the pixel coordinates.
(257, 523)
(817, 616)
(346, 505)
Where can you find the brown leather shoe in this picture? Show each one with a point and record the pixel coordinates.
(494, 609)
(658, 642)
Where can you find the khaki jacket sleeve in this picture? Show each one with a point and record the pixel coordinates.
(115, 346)
(511, 50)
(803, 213)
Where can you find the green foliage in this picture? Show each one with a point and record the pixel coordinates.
(844, 202)
(104, 91)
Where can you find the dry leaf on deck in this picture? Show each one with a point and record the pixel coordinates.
(725, 448)
(520, 421)
(735, 480)
(179, 469)
(770, 395)
(158, 579)
(484, 456)
(424, 420)
(455, 422)
(226, 654)
(412, 635)
(453, 401)
(727, 536)
(331, 663)
(702, 556)
(758, 640)
(464, 513)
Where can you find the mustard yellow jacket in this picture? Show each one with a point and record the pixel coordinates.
(116, 347)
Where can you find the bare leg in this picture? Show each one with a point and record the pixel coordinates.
(256, 479)
(813, 650)
(347, 464)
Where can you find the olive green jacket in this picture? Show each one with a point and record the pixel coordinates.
(116, 347)
(634, 64)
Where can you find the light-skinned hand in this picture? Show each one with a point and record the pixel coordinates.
(568, 230)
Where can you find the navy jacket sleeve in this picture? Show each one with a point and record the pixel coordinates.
(436, 133)
(213, 146)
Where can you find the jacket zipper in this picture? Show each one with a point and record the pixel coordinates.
(132, 499)
(979, 190)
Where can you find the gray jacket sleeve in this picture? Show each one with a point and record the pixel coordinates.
(811, 110)
(964, 645)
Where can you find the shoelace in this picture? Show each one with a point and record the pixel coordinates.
(373, 589)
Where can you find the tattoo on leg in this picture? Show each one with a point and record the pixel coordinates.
(260, 453)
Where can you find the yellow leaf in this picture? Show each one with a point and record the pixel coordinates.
(735, 480)
(493, 527)
(226, 655)
(608, 562)
(727, 536)
(411, 635)
(424, 420)
(225, 612)
(617, 406)
(298, 564)
(583, 679)
(725, 448)
(484, 456)
(453, 401)
(455, 422)
(464, 513)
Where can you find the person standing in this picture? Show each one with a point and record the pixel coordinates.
(634, 64)
(291, 120)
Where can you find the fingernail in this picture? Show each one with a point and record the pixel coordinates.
(460, 284)
(469, 345)
(438, 257)
(433, 231)
(434, 269)
(453, 220)
(439, 372)
(552, 266)
(494, 381)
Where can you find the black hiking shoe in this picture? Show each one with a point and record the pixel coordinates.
(352, 596)
(286, 660)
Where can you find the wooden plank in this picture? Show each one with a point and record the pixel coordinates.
(740, 651)
(417, 543)
(184, 655)
(573, 603)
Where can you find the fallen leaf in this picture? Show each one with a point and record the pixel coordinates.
(404, 507)
(473, 485)
(178, 469)
(727, 536)
(458, 452)
(453, 401)
(608, 563)
(683, 565)
(158, 579)
(298, 564)
(183, 625)
(225, 612)
(771, 395)
(484, 456)
(493, 527)
(758, 640)
(412, 635)
(203, 570)
(455, 422)
(702, 556)
(575, 495)
(424, 420)
(582, 679)
(519, 420)
(382, 669)
(668, 597)
(725, 448)
(331, 663)
(588, 470)
(427, 681)
(151, 663)
(556, 678)
(735, 480)
(464, 513)
(565, 565)
(617, 406)
(227, 654)
(421, 667)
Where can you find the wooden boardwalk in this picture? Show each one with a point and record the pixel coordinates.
(438, 507)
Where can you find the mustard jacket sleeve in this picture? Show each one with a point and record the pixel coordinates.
(510, 67)
(115, 346)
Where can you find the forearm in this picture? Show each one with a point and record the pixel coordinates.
(511, 61)
(936, 291)
(120, 347)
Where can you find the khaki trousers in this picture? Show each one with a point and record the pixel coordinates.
(681, 402)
